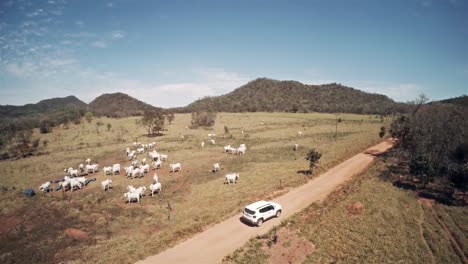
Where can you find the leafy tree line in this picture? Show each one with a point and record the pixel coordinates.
(433, 142)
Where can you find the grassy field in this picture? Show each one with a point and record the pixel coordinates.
(33, 228)
(393, 226)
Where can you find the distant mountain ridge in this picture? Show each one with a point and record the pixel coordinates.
(460, 101)
(119, 105)
(269, 95)
(43, 108)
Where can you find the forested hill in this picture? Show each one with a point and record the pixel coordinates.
(460, 101)
(291, 96)
(118, 105)
(54, 107)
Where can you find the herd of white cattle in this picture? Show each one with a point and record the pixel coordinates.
(137, 169)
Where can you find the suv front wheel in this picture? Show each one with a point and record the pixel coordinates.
(278, 213)
(260, 222)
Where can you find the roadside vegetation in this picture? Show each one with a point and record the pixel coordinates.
(368, 220)
(37, 229)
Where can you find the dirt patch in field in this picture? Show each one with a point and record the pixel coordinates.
(426, 202)
(289, 247)
(7, 224)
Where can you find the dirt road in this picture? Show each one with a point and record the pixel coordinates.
(222, 239)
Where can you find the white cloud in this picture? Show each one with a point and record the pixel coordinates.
(118, 34)
(400, 92)
(99, 44)
(79, 23)
(110, 4)
(81, 35)
(21, 70)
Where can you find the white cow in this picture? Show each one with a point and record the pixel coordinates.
(81, 180)
(128, 171)
(134, 163)
(240, 151)
(65, 184)
(203, 144)
(107, 170)
(92, 168)
(88, 161)
(232, 177)
(116, 169)
(127, 151)
(106, 184)
(131, 155)
(81, 167)
(155, 187)
(163, 157)
(211, 135)
(226, 148)
(144, 168)
(157, 164)
(296, 147)
(143, 161)
(132, 196)
(216, 167)
(140, 150)
(137, 172)
(44, 187)
(299, 133)
(175, 167)
(212, 141)
(75, 183)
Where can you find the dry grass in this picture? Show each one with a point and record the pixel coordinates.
(393, 227)
(123, 233)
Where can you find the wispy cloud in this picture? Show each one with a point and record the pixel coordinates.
(118, 34)
(99, 44)
(110, 4)
(79, 23)
(401, 92)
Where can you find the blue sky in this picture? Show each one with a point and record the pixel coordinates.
(169, 53)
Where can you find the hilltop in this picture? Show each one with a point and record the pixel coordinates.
(118, 105)
(43, 108)
(269, 95)
(460, 101)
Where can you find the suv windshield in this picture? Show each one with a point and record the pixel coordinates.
(249, 211)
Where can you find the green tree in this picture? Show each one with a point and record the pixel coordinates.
(170, 117)
(153, 121)
(45, 126)
(226, 130)
(204, 119)
(88, 116)
(313, 156)
(109, 126)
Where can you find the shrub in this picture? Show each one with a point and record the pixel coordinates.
(204, 119)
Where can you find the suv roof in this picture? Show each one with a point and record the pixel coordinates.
(257, 205)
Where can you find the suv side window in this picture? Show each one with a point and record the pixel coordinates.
(266, 209)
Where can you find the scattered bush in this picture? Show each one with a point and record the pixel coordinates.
(204, 119)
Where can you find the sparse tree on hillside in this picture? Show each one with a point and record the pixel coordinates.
(153, 121)
(313, 156)
(88, 116)
(45, 126)
(170, 117)
(109, 126)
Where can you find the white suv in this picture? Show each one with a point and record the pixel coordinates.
(260, 211)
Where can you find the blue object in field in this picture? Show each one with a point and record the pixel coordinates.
(58, 187)
(29, 192)
(89, 180)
